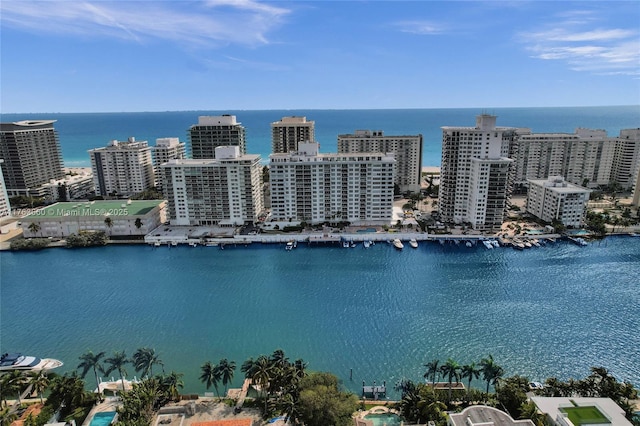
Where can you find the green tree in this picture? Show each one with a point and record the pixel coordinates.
(433, 371)
(34, 228)
(7, 416)
(144, 360)
(226, 369)
(262, 376)
(173, 383)
(39, 382)
(512, 394)
(117, 362)
(323, 403)
(470, 371)
(138, 223)
(210, 376)
(248, 368)
(491, 372)
(91, 361)
(451, 370)
(12, 384)
(109, 222)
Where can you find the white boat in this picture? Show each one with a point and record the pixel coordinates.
(17, 361)
(527, 244)
(345, 244)
(634, 234)
(468, 244)
(495, 243)
(397, 244)
(413, 243)
(535, 242)
(193, 244)
(156, 244)
(289, 246)
(366, 244)
(487, 244)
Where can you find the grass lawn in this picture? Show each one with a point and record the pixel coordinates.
(585, 415)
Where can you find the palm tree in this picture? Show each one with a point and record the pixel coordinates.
(210, 376)
(451, 370)
(12, 384)
(173, 382)
(491, 371)
(248, 368)
(34, 228)
(470, 371)
(117, 362)
(7, 417)
(432, 371)
(143, 361)
(226, 369)
(263, 375)
(39, 382)
(91, 361)
(138, 223)
(109, 222)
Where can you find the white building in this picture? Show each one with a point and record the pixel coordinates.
(166, 149)
(224, 191)
(483, 415)
(474, 181)
(289, 131)
(122, 168)
(600, 411)
(407, 151)
(214, 131)
(77, 184)
(556, 199)
(626, 161)
(5, 208)
(114, 217)
(310, 187)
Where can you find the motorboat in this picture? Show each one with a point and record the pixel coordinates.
(17, 361)
(495, 243)
(413, 243)
(289, 246)
(468, 244)
(397, 244)
(366, 244)
(487, 244)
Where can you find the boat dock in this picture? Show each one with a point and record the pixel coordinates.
(374, 392)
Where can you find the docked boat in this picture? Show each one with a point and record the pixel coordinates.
(397, 244)
(17, 361)
(413, 243)
(366, 244)
(495, 243)
(487, 244)
(634, 234)
(468, 244)
(289, 246)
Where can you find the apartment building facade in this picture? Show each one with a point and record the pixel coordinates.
(475, 174)
(214, 131)
(122, 168)
(287, 133)
(406, 149)
(166, 149)
(225, 191)
(32, 156)
(5, 208)
(626, 158)
(307, 186)
(556, 199)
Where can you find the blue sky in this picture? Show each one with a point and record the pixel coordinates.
(95, 56)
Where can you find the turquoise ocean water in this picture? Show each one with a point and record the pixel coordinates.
(81, 132)
(552, 311)
(548, 311)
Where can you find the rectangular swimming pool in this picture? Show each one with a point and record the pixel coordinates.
(103, 418)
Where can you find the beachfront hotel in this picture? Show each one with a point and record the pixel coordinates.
(32, 156)
(407, 151)
(225, 191)
(307, 186)
(287, 133)
(166, 149)
(474, 182)
(122, 168)
(125, 218)
(556, 199)
(214, 131)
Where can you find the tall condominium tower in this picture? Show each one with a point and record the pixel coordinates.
(225, 191)
(166, 149)
(626, 159)
(122, 169)
(5, 209)
(474, 183)
(287, 133)
(32, 156)
(310, 187)
(407, 151)
(214, 131)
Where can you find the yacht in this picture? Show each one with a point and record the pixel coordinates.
(398, 244)
(366, 244)
(17, 361)
(495, 243)
(413, 243)
(289, 246)
(487, 244)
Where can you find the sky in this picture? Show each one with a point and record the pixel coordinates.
(180, 55)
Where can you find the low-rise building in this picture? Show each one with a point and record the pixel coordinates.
(483, 415)
(556, 199)
(563, 411)
(116, 218)
(77, 184)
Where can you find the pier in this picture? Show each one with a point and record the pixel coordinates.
(374, 392)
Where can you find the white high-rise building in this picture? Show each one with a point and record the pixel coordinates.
(556, 199)
(122, 169)
(407, 151)
(287, 133)
(166, 149)
(225, 191)
(474, 181)
(626, 159)
(307, 186)
(5, 208)
(214, 131)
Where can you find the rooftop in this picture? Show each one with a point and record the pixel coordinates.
(485, 415)
(610, 412)
(111, 208)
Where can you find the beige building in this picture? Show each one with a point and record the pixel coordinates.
(5, 208)
(406, 149)
(225, 191)
(122, 168)
(166, 149)
(556, 199)
(474, 181)
(77, 184)
(116, 218)
(214, 131)
(287, 133)
(307, 186)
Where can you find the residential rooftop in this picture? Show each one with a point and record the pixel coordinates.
(104, 208)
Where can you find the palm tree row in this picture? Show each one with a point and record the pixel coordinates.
(451, 370)
(214, 374)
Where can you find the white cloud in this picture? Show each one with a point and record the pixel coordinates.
(420, 27)
(211, 23)
(574, 40)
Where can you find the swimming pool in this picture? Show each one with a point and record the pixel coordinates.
(369, 230)
(385, 419)
(103, 418)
